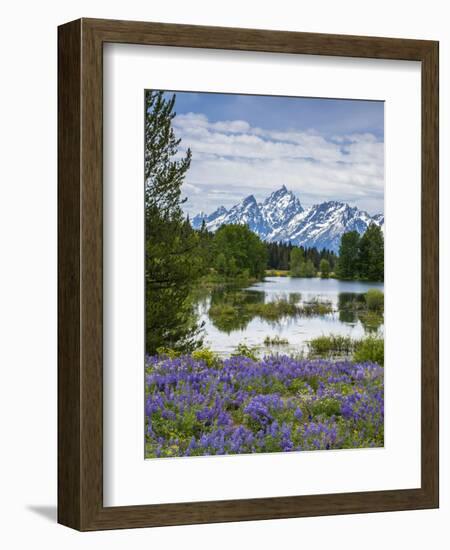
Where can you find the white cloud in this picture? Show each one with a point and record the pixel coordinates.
(239, 159)
(190, 121)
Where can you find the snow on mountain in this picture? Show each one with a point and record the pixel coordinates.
(246, 212)
(323, 224)
(280, 217)
(379, 218)
(280, 207)
(213, 221)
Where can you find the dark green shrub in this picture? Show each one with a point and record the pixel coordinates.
(374, 299)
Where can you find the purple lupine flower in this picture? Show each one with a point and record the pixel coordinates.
(192, 409)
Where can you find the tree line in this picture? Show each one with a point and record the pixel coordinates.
(362, 256)
(279, 255)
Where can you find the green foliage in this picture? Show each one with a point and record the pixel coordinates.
(244, 350)
(362, 257)
(374, 299)
(334, 344)
(233, 311)
(348, 262)
(163, 174)
(370, 349)
(173, 261)
(239, 251)
(300, 265)
(324, 268)
(297, 261)
(371, 254)
(279, 256)
(354, 306)
(351, 301)
(315, 307)
(273, 310)
(277, 273)
(222, 310)
(325, 407)
(371, 320)
(309, 269)
(208, 356)
(168, 352)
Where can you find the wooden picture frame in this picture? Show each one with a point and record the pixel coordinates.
(80, 271)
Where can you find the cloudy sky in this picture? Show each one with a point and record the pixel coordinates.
(321, 149)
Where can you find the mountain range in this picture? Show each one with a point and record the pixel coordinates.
(281, 217)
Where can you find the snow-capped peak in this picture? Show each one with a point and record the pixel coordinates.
(280, 207)
(281, 217)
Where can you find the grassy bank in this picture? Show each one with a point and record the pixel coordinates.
(277, 273)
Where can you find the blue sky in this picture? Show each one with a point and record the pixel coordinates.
(327, 116)
(321, 149)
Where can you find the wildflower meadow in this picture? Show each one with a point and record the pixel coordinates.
(212, 406)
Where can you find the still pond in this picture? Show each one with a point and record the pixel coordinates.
(230, 315)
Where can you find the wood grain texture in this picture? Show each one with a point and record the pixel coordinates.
(80, 263)
(430, 273)
(69, 243)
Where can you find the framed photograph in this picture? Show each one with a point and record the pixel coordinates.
(248, 274)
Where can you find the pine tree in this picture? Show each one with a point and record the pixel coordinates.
(371, 254)
(172, 262)
(163, 174)
(347, 265)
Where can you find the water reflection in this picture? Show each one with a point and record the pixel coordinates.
(277, 306)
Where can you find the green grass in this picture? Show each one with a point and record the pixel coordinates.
(334, 344)
(273, 310)
(370, 348)
(277, 273)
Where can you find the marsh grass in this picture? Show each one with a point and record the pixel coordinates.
(333, 344)
(277, 273)
(275, 341)
(370, 348)
(270, 311)
(316, 307)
